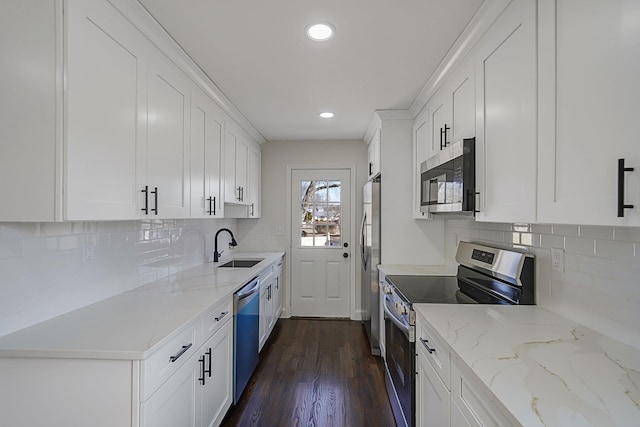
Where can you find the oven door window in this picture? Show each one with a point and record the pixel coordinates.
(400, 360)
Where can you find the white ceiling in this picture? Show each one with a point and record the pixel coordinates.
(381, 56)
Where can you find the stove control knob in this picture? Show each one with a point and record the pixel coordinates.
(401, 308)
(386, 290)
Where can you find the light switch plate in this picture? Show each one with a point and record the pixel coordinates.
(557, 260)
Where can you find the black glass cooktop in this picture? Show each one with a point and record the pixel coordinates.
(426, 289)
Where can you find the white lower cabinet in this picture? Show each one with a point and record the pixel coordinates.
(432, 396)
(270, 300)
(184, 383)
(199, 393)
(447, 392)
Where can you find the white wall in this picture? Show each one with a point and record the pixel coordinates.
(262, 234)
(600, 285)
(44, 271)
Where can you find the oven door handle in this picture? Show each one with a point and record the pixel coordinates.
(404, 328)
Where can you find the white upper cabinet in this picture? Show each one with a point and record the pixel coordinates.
(589, 112)
(105, 101)
(167, 146)
(207, 132)
(255, 178)
(236, 155)
(28, 110)
(506, 99)
(452, 110)
(421, 151)
(373, 154)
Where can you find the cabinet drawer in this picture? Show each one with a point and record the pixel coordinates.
(167, 360)
(473, 402)
(434, 348)
(215, 317)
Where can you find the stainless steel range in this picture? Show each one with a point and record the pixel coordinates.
(486, 275)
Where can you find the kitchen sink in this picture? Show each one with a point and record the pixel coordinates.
(241, 263)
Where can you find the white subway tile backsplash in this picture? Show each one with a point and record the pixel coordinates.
(613, 249)
(627, 234)
(565, 230)
(595, 267)
(579, 245)
(551, 241)
(596, 232)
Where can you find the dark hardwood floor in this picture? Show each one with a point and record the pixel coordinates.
(316, 373)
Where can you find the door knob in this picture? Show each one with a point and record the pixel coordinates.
(345, 255)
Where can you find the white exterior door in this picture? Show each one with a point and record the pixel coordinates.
(320, 247)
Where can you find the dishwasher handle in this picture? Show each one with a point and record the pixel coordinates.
(244, 296)
(248, 290)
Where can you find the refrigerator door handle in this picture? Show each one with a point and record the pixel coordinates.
(363, 241)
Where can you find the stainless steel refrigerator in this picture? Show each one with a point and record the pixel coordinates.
(370, 251)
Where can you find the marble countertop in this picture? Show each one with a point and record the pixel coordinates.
(134, 324)
(546, 369)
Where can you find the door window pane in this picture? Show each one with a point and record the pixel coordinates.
(320, 214)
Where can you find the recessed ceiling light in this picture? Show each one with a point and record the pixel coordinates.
(320, 32)
(326, 115)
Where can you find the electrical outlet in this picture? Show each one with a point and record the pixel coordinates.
(557, 260)
(88, 253)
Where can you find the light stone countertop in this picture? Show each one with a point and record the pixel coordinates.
(547, 370)
(134, 324)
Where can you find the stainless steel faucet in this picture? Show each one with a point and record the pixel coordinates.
(216, 254)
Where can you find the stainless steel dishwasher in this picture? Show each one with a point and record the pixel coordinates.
(246, 321)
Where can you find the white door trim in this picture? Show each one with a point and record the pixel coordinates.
(352, 233)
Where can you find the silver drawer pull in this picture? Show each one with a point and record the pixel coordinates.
(219, 318)
(426, 345)
(181, 352)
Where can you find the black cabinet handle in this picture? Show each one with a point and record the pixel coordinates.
(202, 370)
(446, 128)
(210, 200)
(219, 318)
(252, 210)
(208, 371)
(441, 132)
(155, 193)
(621, 170)
(426, 345)
(214, 205)
(370, 168)
(180, 353)
(146, 200)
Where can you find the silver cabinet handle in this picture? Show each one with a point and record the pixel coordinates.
(181, 352)
(219, 318)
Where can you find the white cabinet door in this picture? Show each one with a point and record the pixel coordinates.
(457, 417)
(373, 153)
(432, 396)
(266, 309)
(28, 108)
(207, 131)
(463, 102)
(175, 402)
(236, 158)
(506, 96)
(277, 294)
(167, 150)
(105, 101)
(440, 117)
(255, 178)
(216, 392)
(421, 151)
(589, 111)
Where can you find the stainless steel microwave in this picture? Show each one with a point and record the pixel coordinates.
(448, 180)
